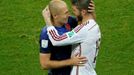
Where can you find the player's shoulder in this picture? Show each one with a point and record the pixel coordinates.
(72, 21)
(44, 30)
(50, 28)
(92, 21)
(43, 33)
(72, 17)
(93, 25)
(89, 24)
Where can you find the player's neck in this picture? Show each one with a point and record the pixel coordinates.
(87, 17)
(57, 24)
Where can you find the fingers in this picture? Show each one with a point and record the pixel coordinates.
(92, 1)
(46, 8)
(82, 61)
(47, 16)
(77, 54)
(78, 60)
(91, 7)
(80, 64)
(46, 11)
(82, 57)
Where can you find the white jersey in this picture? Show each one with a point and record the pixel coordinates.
(88, 36)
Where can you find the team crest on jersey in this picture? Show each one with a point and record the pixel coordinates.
(70, 34)
(44, 43)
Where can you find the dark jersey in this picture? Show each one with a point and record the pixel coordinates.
(57, 53)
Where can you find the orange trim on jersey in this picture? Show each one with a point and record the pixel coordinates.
(68, 27)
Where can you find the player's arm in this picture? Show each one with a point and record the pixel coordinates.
(46, 63)
(45, 53)
(73, 37)
(47, 16)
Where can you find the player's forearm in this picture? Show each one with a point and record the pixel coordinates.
(56, 64)
(66, 42)
(48, 21)
(66, 39)
(47, 16)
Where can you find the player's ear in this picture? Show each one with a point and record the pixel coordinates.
(83, 12)
(55, 16)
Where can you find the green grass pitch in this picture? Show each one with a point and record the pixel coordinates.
(21, 22)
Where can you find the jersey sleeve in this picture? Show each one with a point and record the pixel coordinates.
(73, 37)
(45, 44)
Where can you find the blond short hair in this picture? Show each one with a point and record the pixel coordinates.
(55, 5)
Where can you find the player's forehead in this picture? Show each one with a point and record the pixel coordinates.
(61, 5)
(58, 3)
(63, 8)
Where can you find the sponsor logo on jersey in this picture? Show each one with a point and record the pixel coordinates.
(70, 34)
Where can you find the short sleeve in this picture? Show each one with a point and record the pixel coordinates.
(45, 44)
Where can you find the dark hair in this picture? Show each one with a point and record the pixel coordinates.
(81, 4)
(74, 2)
